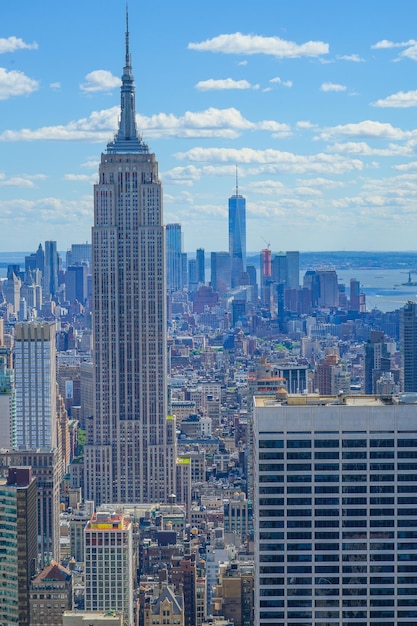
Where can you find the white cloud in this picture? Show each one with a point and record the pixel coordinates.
(362, 148)
(100, 126)
(224, 83)
(355, 58)
(100, 80)
(401, 100)
(366, 129)
(15, 43)
(305, 124)
(273, 161)
(278, 81)
(332, 87)
(81, 178)
(385, 44)
(242, 63)
(238, 43)
(15, 83)
(55, 85)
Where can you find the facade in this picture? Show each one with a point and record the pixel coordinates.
(130, 452)
(109, 566)
(18, 544)
(408, 346)
(237, 236)
(201, 266)
(335, 487)
(50, 595)
(35, 378)
(51, 269)
(220, 272)
(167, 608)
(7, 401)
(174, 257)
(47, 469)
(292, 279)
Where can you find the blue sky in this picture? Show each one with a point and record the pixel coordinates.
(316, 103)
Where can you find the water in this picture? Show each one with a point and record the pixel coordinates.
(384, 288)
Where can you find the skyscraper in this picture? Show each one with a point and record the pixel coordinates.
(130, 451)
(174, 257)
(201, 266)
(237, 235)
(18, 544)
(408, 346)
(109, 563)
(35, 377)
(334, 516)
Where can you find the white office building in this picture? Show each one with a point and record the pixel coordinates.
(335, 511)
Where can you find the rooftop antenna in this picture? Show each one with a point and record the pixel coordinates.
(127, 36)
(237, 182)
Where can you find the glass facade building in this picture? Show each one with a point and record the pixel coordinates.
(335, 512)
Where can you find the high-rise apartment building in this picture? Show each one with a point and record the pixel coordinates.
(130, 452)
(174, 258)
(18, 544)
(109, 564)
(237, 236)
(35, 373)
(335, 486)
(408, 346)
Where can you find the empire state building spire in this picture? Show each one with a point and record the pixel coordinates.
(127, 138)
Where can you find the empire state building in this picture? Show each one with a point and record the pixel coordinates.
(130, 454)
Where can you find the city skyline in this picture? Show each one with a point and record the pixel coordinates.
(318, 114)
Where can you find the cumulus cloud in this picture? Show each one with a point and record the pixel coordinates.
(238, 43)
(272, 161)
(100, 80)
(11, 44)
(332, 87)
(55, 85)
(399, 100)
(305, 124)
(100, 125)
(355, 58)
(278, 81)
(385, 43)
(84, 178)
(22, 180)
(366, 129)
(15, 83)
(223, 83)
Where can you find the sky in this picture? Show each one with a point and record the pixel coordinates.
(314, 103)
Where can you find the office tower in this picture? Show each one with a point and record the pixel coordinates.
(251, 272)
(79, 254)
(279, 268)
(266, 278)
(76, 283)
(192, 275)
(130, 452)
(174, 260)
(18, 544)
(109, 564)
(51, 269)
(334, 511)
(35, 261)
(50, 595)
(220, 272)
(35, 372)
(328, 295)
(47, 469)
(408, 346)
(377, 360)
(292, 279)
(7, 401)
(201, 266)
(237, 235)
(354, 300)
